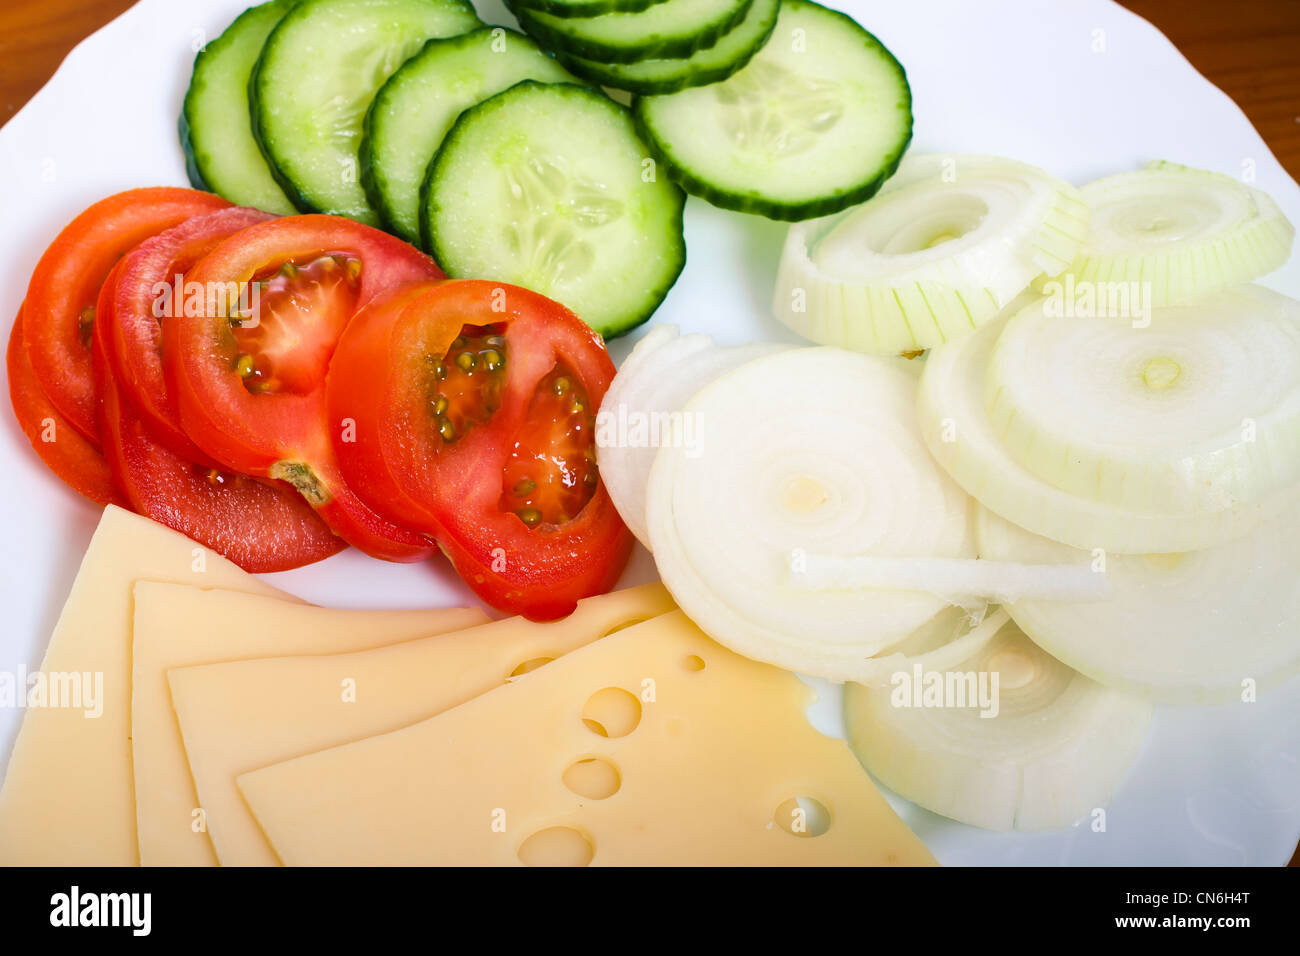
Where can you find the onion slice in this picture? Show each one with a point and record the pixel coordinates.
(660, 376)
(1187, 232)
(944, 246)
(813, 449)
(1040, 749)
(952, 578)
(1195, 409)
(957, 429)
(1199, 628)
(948, 639)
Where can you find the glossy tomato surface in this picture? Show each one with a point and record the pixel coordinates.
(248, 374)
(64, 288)
(474, 408)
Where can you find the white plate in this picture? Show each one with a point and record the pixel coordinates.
(1089, 90)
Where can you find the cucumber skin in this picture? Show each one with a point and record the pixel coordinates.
(429, 244)
(608, 75)
(184, 124)
(369, 182)
(587, 8)
(254, 102)
(772, 209)
(553, 40)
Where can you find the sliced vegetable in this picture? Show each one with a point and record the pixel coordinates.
(823, 94)
(1205, 627)
(149, 290)
(1039, 750)
(672, 28)
(262, 526)
(586, 8)
(64, 450)
(1186, 232)
(812, 451)
(251, 390)
(948, 243)
(319, 70)
(474, 405)
(59, 314)
(663, 373)
(413, 111)
(548, 186)
(957, 430)
(946, 641)
(1196, 409)
(953, 578)
(713, 64)
(216, 132)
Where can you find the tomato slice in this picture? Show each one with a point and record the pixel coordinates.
(63, 449)
(64, 288)
(474, 405)
(262, 526)
(150, 289)
(249, 381)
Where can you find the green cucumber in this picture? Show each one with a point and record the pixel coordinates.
(414, 110)
(710, 65)
(586, 8)
(317, 74)
(221, 155)
(674, 28)
(816, 122)
(547, 186)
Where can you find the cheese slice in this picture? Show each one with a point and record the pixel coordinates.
(67, 798)
(241, 716)
(178, 626)
(653, 746)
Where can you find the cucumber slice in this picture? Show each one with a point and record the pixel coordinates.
(710, 65)
(547, 186)
(675, 28)
(221, 155)
(317, 74)
(414, 110)
(823, 95)
(586, 8)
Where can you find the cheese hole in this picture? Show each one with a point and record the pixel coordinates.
(593, 778)
(528, 666)
(803, 817)
(693, 663)
(612, 712)
(556, 846)
(624, 626)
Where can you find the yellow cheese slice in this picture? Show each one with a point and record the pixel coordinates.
(67, 798)
(653, 746)
(242, 716)
(179, 626)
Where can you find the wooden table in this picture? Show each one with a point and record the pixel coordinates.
(1249, 49)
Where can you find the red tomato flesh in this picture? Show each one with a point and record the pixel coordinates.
(63, 449)
(61, 297)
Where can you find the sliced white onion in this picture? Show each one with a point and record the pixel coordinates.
(944, 246)
(813, 449)
(1054, 749)
(660, 376)
(957, 430)
(1195, 409)
(1203, 627)
(1186, 232)
(948, 639)
(952, 578)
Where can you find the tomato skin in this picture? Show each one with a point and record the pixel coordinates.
(134, 340)
(453, 490)
(67, 280)
(261, 526)
(287, 435)
(70, 456)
